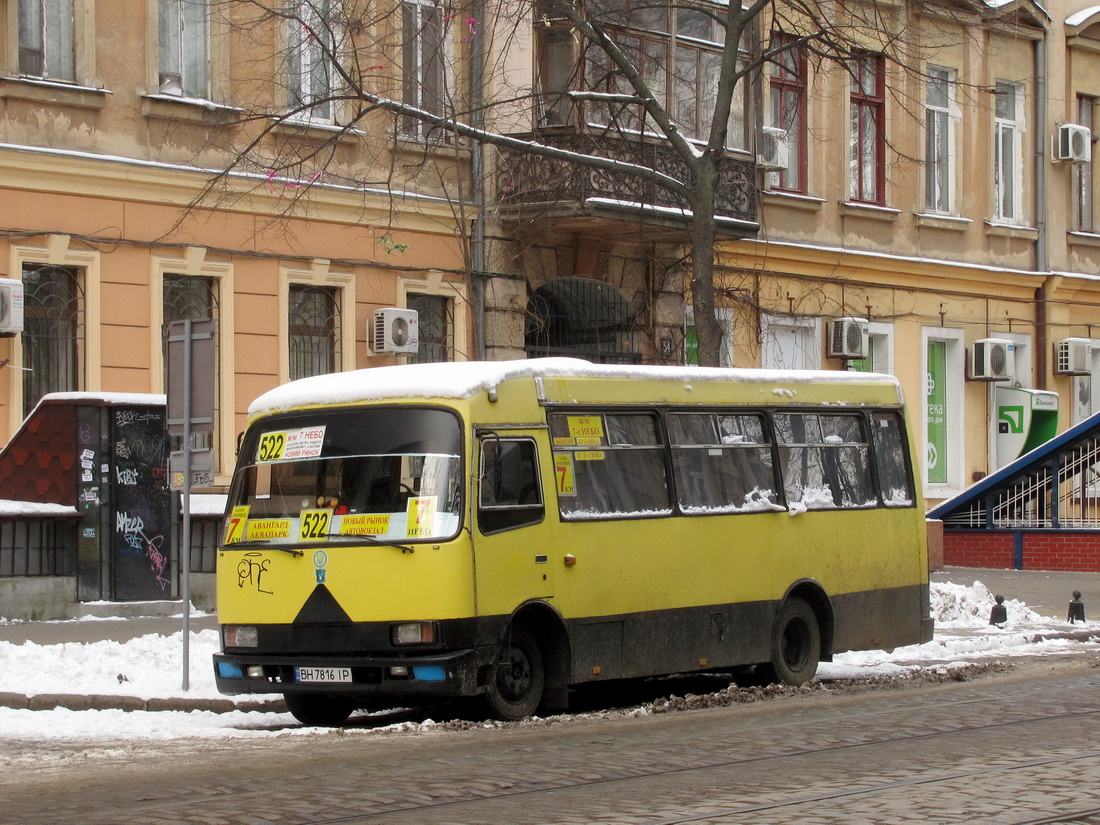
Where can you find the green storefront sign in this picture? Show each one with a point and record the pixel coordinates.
(935, 457)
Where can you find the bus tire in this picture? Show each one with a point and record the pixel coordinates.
(518, 680)
(319, 709)
(796, 643)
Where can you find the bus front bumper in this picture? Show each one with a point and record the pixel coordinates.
(454, 673)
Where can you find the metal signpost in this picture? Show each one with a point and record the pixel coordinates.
(190, 421)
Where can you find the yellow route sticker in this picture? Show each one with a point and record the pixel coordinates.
(235, 525)
(368, 524)
(268, 528)
(563, 469)
(420, 517)
(586, 429)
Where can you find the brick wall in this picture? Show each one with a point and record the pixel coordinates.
(1071, 550)
(978, 548)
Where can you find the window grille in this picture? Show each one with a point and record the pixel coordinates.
(53, 331)
(314, 326)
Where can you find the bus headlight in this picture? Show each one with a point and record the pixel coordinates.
(413, 633)
(240, 636)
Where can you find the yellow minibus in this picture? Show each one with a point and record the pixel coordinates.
(507, 530)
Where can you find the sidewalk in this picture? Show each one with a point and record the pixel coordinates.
(1047, 593)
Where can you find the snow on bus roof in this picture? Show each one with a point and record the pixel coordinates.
(463, 379)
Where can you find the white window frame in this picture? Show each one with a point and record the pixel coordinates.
(940, 118)
(956, 421)
(184, 48)
(1008, 160)
(305, 55)
(804, 335)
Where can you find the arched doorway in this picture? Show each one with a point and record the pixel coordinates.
(581, 318)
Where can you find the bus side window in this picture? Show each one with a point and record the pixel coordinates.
(509, 493)
(890, 459)
(825, 460)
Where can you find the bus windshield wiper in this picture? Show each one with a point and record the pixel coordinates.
(404, 548)
(369, 539)
(266, 544)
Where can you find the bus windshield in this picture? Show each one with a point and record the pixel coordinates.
(384, 475)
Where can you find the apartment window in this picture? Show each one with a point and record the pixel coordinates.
(788, 112)
(311, 45)
(880, 350)
(188, 298)
(184, 48)
(938, 102)
(53, 331)
(314, 330)
(678, 53)
(436, 324)
(557, 71)
(691, 336)
(423, 60)
(46, 30)
(1007, 161)
(867, 159)
(1082, 172)
(790, 343)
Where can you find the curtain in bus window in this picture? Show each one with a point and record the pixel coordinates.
(614, 465)
(824, 460)
(890, 460)
(721, 463)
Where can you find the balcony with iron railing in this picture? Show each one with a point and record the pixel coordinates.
(577, 197)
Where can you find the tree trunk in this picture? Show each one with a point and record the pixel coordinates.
(707, 328)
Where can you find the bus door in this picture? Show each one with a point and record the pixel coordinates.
(511, 540)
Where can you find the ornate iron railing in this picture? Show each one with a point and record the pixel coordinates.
(527, 179)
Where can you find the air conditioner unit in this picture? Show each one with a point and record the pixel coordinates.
(848, 338)
(1073, 144)
(1073, 356)
(395, 330)
(773, 149)
(992, 359)
(11, 307)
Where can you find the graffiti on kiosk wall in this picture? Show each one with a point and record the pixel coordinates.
(140, 498)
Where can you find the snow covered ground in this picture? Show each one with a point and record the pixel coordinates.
(151, 667)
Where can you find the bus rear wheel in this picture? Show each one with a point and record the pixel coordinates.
(319, 709)
(796, 644)
(518, 680)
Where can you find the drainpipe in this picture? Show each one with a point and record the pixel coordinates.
(477, 173)
(1042, 265)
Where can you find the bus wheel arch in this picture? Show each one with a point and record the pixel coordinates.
(812, 593)
(801, 635)
(532, 665)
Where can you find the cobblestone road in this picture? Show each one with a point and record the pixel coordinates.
(1005, 749)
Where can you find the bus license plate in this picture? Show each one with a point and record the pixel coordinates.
(323, 674)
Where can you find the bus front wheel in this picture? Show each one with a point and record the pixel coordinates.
(796, 643)
(319, 709)
(515, 687)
